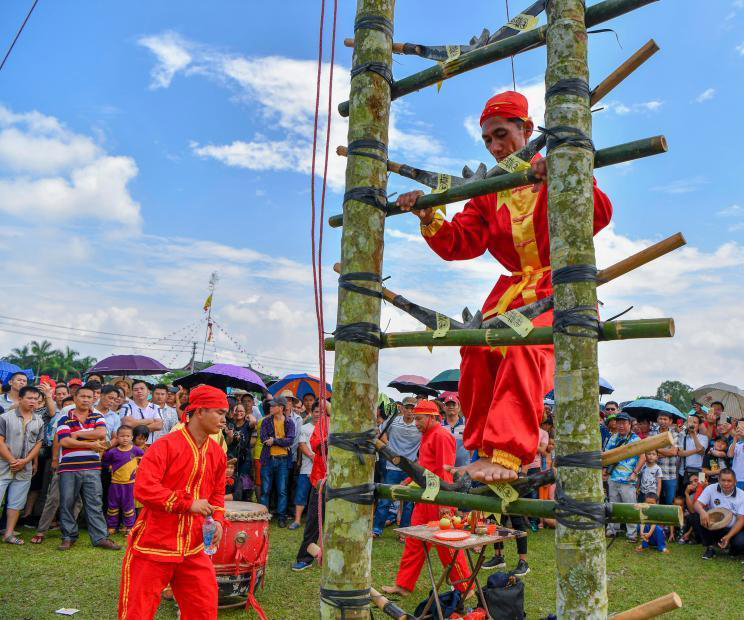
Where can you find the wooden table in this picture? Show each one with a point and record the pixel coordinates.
(425, 534)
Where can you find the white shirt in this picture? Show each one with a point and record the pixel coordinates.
(686, 442)
(738, 463)
(150, 412)
(712, 497)
(307, 462)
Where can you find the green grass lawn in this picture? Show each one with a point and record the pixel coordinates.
(36, 580)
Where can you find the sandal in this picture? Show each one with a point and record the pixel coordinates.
(37, 539)
(13, 540)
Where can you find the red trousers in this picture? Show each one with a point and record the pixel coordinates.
(193, 581)
(502, 395)
(414, 555)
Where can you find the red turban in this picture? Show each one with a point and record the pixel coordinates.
(426, 407)
(206, 397)
(508, 104)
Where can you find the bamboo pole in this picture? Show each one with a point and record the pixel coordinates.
(613, 330)
(662, 440)
(348, 546)
(640, 258)
(386, 605)
(596, 14)
(604, 157)
(661, 605)
(623, 71)
(580, 557)
(619, 513)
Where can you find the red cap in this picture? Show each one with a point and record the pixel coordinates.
(450, 396)
(508, 104)
(206, 397)
(426, 407)
(75, 381)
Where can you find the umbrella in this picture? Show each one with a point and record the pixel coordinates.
(223, 376)
(300, 385)
(128, 365)
(413, 384)
(446, 380)
(650, 408)
(604, 388)
(731, 396)
(7, 369)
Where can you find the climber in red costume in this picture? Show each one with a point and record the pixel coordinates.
(501, 389)
(437, 453)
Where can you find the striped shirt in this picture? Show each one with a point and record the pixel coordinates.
(78, 459)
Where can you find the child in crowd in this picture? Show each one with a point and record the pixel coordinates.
(230, 479)
(122, 461)
(652, 535)
(712, 464)
(649, 480)
(139, 436)
(689, 495)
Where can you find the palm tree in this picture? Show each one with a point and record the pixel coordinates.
(41, 353)
(82, 364)
(20, 357)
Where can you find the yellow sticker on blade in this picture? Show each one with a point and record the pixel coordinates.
(453, 51)
(506, 492)
(443, 326)
(517, 321)
(512, 163)
(432, 486)
(523, 22)
(444, 182)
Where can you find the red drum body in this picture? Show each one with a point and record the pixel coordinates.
(240, 560)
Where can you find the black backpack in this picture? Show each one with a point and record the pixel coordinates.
(504, 595)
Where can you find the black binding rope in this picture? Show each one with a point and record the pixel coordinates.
(570, 136)
(587, 460)
(372, 196)
(596, 514)
(345, 599)
(358, 443)
(374, 22)
(574, 273)
(344, 282)
(619, 314)
(570, 86)
(376, 67)
(363, 333)
(574, 317)
(365, 143)
(360, 494)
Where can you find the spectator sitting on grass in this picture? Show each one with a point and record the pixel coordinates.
(652, 535)
(687, 502)
(724, 495)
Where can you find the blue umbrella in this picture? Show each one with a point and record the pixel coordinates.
(650, 408)
(604, 388)
(299, 385)
(7, 369)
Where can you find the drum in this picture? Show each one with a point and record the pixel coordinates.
(241, 557)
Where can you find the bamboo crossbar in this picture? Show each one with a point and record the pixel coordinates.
(511, 46)
(619, 513)
(652, 609)
(612, 330)
(604, 157)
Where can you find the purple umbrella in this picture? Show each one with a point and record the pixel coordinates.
(413, 384)
(128, 365)
(223, 376)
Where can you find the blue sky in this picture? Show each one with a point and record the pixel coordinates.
(143, 146)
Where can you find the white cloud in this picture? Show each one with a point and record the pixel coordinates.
(706, 95)
(740, 48)
(681, 186)
(283, 89)
(623, 109)
(473, 128)
(50, 172)
(732, 211)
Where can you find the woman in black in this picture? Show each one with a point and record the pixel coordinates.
(238, 436)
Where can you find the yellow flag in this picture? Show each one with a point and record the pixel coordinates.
(208, 303)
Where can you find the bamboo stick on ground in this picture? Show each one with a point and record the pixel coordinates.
(619, 513)
(386, 605)
(612, 330)
(604, 157)
(652, 609)
(596, 14)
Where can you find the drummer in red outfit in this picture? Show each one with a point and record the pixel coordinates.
(437, 453)
(502, 389)
(180, 480)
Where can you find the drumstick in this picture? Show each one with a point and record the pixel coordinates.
(314, 550)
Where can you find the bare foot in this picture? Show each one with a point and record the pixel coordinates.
(483, 470)
(397, 590)
(665, 550)
(639, 548)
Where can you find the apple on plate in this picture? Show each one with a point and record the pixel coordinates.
(445, 523)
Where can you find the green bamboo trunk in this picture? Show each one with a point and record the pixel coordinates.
(347, 543)
(580, 554)
(538, 508)
(614, 330)
(604, 157)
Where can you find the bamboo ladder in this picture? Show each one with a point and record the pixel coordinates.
(580, 553)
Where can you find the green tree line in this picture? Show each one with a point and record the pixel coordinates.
(44, 359)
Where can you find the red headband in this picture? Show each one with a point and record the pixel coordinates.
(508, 104)
(206, 397)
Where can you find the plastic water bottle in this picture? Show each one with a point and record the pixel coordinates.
(208, 530)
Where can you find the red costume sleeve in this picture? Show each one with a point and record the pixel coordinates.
(445, 449)
(602, 209)
(148, 484)
(466, 236)
(217, 497)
